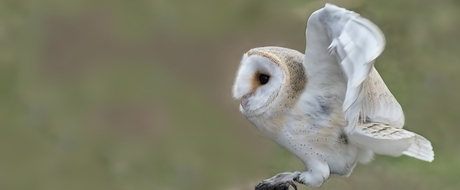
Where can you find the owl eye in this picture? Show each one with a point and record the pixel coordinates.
(263, 78)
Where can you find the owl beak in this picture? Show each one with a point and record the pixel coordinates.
(244, 103)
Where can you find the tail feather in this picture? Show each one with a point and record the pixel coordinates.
(421, 149)
(392, 141)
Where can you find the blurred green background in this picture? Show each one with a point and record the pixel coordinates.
(137, 94)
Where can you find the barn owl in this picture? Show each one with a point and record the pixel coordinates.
(329, 106)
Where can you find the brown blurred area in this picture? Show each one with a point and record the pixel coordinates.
(136, 94)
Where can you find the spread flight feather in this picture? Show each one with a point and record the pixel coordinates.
(353, 43)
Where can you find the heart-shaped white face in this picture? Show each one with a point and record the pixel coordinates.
(261, 79)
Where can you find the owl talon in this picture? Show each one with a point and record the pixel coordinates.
(281, 181)
(280, 186)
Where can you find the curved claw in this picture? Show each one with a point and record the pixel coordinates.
(280, 186)
(281, 181)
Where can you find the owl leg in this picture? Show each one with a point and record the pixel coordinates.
(280, 181)
(318, 172)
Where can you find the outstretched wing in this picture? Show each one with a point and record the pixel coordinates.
(339, 60)
(341, 42)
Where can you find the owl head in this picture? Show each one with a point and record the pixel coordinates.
(269, 80)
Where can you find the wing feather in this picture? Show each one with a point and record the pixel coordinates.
(393, 141)
(354, 43)
(339, 60)
(379, 105)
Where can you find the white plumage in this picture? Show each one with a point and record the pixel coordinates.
(329, 106)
